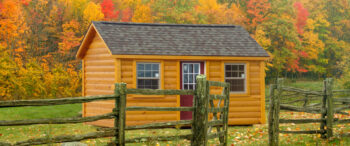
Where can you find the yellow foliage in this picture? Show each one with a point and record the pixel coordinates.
(130, 4)
(36, 80)
(214, 11)
(260, 37)
(142, 14)
(92, 12)
(234, 15)
(312, 45)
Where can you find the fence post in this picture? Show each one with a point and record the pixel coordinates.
(272, 141)
(120, 106)
(200, 113)
(323, 109)
(330, 110)
(227, 111)
(274, 111)
(280, 83)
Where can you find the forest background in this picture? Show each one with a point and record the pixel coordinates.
(306, 39)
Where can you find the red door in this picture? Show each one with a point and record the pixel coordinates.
(189, 71)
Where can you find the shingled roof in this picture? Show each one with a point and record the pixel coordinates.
(178, 39)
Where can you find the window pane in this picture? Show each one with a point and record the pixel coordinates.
(236, 84)
(155, 66)
(148, 66)
(148, 82)
(190, 68)
(235, 74)
(228, 74)
(148, 73)
(241, 67)
(155, 74)
(234, 67)
(196, 68)
(227, 67)
(190, 78)
(185, 78)
(190, 87)
(241, 74)
(140, 73)
(185, 86)
(155, 84)
(140, 67)
(140, 82)
(185, 68)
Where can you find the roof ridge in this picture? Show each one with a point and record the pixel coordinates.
(165, 24)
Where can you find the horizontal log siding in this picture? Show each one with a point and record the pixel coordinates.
(145, 117)
(245, 109)
(99, 75)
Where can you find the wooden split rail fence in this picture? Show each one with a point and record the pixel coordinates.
(201, 125)
(327, 103)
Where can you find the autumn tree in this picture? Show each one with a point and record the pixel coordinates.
(302, 15)
(7, 74)
(12, 28)
(108, 9)
(175, 11)
(92, 12)
(142, 14)
(213, 12)
(257, 11)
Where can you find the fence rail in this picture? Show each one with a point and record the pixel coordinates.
(300, 100)
(140, 108)
(201, 126)
(159, 92)
(58, 120)
(49, 102)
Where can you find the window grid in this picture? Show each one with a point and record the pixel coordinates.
(235, 74)
(189, 73)
(148, 75)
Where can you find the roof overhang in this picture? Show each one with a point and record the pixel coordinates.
(169, 57)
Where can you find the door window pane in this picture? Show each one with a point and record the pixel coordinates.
(189, 73)
(196, 68)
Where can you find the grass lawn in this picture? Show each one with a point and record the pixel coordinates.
(238, 135)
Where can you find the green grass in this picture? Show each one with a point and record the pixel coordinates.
(237, 135)
(58, 111)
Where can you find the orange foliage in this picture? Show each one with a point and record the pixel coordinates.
(256, 12)
(68, 37)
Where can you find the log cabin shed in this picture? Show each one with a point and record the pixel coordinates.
(169, 56)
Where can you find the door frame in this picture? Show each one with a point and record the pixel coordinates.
(202, 70)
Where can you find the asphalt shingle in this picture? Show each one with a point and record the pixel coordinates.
(178, 39)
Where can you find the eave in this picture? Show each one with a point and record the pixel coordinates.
(172, 57)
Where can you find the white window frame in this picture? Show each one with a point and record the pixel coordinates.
(245, 76)
(159, 74)
(183, 75)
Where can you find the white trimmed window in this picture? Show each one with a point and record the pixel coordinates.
(235, 74)
(148, 75)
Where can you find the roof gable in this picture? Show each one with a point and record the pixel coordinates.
(177, 39)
